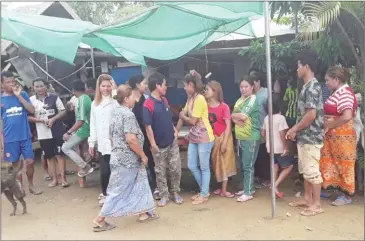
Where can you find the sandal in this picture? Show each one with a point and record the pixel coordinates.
(298, 204)
(196, 196)
(239, 193)
(244, 198)
(104, 227)
(279, 194)
(218, 192)
(35, 191)
(227, 195)
(150, 217)
(65, 184)
(178, 199)
(341, 200)
(47, 178)
(200, 200)
(52, 184)
(163, 202)
(310, 212)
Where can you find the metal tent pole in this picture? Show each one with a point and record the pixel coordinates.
(92, 61)
(269, 87)
(47, 65)
(58, 82)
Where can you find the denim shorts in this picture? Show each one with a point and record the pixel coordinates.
(284, 161)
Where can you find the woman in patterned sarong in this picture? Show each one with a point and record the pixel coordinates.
(128, 191)
(339, 151)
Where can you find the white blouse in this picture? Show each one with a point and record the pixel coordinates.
(100, 117)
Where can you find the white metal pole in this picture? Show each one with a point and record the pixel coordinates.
(269, 89)
(47, 65)
(92, 61)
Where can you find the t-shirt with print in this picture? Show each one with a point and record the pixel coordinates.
(279, 124)
(202, 132)
(291, 96)
(217, 118)
(45, 110)
(83, 114)
(15, 118)
(251, 127)
(311, 98)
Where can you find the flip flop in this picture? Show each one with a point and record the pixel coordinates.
(196, 196)
(341, 200)
(52, 184)
(239, 193)
(65, 184)
(151, 217)
(279, 194)
(218, 192)
(227, 195)
(35, 191)
(298, 204)
(105, 227)
(309, 212)
(47, 178)
(244, 198)
(163, 202)
(178, 199)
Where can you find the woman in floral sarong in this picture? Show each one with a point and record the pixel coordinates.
(339, 151)
(128, 191)
(223, 157)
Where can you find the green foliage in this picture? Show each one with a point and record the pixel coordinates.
(284, 20)
(282, 55)
(105, 12)
(360, 156)
(356, 83)
(329, 49)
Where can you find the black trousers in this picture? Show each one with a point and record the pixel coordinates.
(151, 168)
(104, 173)
(262, 165)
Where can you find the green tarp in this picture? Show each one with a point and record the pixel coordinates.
(165, 32)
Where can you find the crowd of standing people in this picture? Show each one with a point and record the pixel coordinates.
(136, 139)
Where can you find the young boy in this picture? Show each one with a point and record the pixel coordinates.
(162, 135)
(283, 161)
(80, 131)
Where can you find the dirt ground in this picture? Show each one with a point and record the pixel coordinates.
(61, 214)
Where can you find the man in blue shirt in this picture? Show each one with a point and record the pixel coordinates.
(162, 135)
(17, 138)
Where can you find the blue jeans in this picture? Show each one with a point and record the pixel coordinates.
(199, 164)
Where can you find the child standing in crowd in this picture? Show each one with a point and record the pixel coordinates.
(100, 116)
(49, 110)
(162, 135)
(201, 137)
(246, 116)
(80, 131)
(291, 97)
(223, 157)
(283, 161)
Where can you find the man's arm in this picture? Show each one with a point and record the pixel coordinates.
(308, 118)
(24, 99)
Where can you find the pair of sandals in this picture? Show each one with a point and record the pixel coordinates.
(63, 184)
(199, 199)
(163, 201)
(149, 216)
(306, 212)
(226, 194)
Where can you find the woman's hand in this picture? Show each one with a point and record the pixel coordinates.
(182, 114)
(144, 160)
(91, 151)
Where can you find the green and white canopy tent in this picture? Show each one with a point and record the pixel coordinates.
(166, 31)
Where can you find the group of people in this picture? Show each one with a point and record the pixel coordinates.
(136, 139)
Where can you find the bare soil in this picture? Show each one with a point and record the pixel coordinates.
(61, 214)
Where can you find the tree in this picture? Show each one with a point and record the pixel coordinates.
(285, 8)
(345, 17)
(96, 12)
